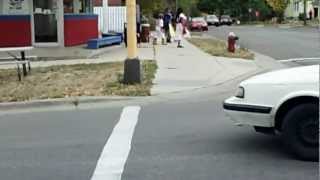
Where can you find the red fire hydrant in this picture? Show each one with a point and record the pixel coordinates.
(232, 38)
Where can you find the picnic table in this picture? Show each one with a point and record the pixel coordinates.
(18, 60)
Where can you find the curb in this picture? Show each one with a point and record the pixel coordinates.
(73, 101)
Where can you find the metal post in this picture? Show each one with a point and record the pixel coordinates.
(18, 71)
(132, 67)
(24, 66)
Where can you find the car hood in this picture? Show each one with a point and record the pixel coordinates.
(297, 75)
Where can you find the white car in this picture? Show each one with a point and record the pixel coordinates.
(284, 101)
(213, 20)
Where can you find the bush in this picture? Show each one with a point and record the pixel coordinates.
(301, 16)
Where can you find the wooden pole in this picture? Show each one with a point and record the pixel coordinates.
(132, 29)
(132, 69)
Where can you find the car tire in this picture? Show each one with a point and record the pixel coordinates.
(300, 131)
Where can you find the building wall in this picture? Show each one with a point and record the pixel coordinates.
(115, 2)
(78, 29)
(98, 3)
(16, 27)
(296, 7)
(15, 23)
(15, 30)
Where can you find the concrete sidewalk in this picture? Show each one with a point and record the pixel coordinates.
(65, 53)
(191, 68)
(178, 69)
(110, 54)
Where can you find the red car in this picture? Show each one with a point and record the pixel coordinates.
(198, 23)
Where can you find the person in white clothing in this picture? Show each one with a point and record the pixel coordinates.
(181, 27)
(160, 29)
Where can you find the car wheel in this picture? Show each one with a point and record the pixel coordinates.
(300, 131)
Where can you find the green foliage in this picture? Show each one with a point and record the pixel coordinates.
(150, 8)
(194, 11)
(301, 16)
(279, 6)
(208, 6)
(235, 8)
(189, 7)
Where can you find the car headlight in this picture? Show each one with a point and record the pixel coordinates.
(240, 92)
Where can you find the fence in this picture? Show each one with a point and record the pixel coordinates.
(111, 19)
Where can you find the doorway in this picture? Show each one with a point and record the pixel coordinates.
(316, 12)
(46, 19)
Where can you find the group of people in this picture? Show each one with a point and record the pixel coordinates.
(165, 27)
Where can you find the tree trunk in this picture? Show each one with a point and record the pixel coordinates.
(305, 12)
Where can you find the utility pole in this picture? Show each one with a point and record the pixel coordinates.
(132, 69)
(305, 12)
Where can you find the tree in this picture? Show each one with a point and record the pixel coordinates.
(189, 7)
(150, 8)
(208, 6)
(278, 6)
(305, 12)
(235, 8)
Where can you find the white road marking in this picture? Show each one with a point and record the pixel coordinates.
(300, 59)
(115, 153)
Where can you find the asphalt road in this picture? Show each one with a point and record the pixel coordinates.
(278, 43)
(185, 136)
(53, 145)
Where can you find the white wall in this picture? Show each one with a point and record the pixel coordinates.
(21, 7)
(111, 19)
(291, 11)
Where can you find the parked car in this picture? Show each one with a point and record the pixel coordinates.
(213, 20)
(285, 102)
(226, 20)
(236, 21)
(198, 23)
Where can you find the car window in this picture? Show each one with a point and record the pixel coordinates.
(212, 17)
(198, 19)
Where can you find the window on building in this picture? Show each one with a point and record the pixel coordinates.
(14, 7)
(77, 6)
(98, 3)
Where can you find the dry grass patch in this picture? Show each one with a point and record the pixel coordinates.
(72, 81)
(219, 48)
(196, 33)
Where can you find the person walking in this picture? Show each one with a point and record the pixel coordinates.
(160, 29)
(310, 14)
(181, 27)
(167, 23)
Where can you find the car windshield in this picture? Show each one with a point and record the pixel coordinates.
(197, 19)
